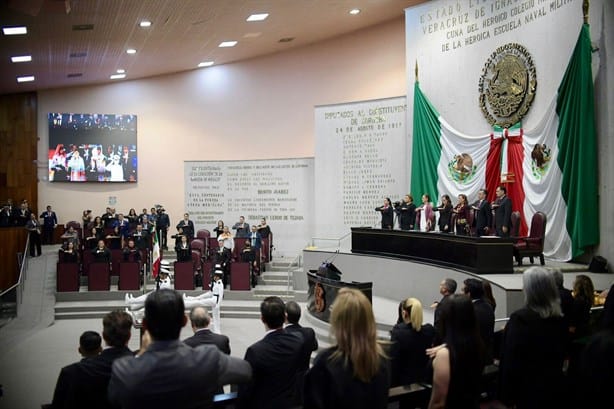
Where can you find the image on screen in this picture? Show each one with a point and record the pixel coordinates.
(92, 148)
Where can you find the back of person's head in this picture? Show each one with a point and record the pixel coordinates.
(541, 293)
(450, 285)
(413, 313)
(273, 312)
(293, 312)
(488, 296)
(558, 277)
(116, 327)
(90, 344)
(353, 324)
(473, 287)
(583, 289)
(164, 315)
(199, 317)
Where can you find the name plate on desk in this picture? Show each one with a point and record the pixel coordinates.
(323, 292)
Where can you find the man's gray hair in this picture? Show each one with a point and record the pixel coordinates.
(541, 293)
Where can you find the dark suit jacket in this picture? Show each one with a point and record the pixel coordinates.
(275, 362)
(486, 323)
(503, 216)
(310, 343)
(205, 336)
(84, 384)
(533, 351)
(483, 217)
(408, 353)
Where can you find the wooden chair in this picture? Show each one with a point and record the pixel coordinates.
(203, 234)
(532, 245)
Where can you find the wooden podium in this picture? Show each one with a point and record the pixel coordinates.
(67, 277)
(184, 275)
(98, 278)
(129, 275)
(239, 276)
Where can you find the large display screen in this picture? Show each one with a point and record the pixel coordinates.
(92, 148)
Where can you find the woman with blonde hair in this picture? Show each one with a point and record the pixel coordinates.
(410, 340)
(354, 372)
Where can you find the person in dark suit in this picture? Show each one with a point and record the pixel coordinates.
(565, 296)
(34, 230)
(473, 288)
(200, 319)
(355, 372)
(169, 373)
(406, 212)
(90, 345)
(310, 343)
(503, 212)
(187, 226)
(275, 360)
(50, 221)
(531, 368)
(483, 214)
(387, 214)
(409, 342)
(446, 288)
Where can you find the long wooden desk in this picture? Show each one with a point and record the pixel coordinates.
(479, 255)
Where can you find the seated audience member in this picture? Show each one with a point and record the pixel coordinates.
(68, 253)
(169, 373)
(310, 343)
(473, 288)
(458, 362)
(200, 320)
(131, 252)
(354, 373)
(534, 340)
(101, 253)
(122, 225)
(275, 362)
(409, 341)
(98, 224)
(63, 396)
(92, 241)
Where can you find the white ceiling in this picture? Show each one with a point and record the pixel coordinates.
(183, 33)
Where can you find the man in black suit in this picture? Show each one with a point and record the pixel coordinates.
(485, 316)
(89, 346)
(200, 319)
(446, 288)
(483, 214)
(275, 360)
(89, 389)
(310, 343)
(503, 212)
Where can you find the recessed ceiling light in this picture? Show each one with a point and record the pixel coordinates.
(117, 76)
(131, 51)
(227, 44)
(11, 31)
(145, 23)
(205, 64)
(354, 11)
(21, 58)
(251, 35)
(258, 17)
(26, 78)
(121, 71)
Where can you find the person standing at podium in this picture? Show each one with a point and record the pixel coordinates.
(387, 215)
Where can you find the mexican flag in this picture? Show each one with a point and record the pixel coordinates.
(156, 256)
(551, 168)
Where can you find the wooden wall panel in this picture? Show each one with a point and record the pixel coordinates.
(18, 172)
